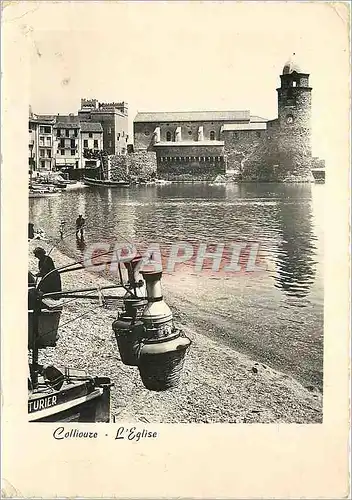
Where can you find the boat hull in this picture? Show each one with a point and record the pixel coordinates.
(101, 183)
(85, 401)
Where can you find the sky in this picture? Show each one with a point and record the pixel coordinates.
(169, 56)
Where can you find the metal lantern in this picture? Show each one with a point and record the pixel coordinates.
(162, 352)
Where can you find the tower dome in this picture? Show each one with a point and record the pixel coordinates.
(291, 66)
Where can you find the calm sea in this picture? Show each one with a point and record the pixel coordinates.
(275, 316)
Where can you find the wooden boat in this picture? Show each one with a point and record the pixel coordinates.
(162, 182)
(42, 190)
(55, 394)
(69, 396)
(105, 183)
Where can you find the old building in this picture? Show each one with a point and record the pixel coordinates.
(40, 143)
(200, 145)
(113, 117)
(91, 144)
(67, 137)
(77, 141)
(189, 143)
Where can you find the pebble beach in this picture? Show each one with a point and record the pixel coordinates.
(218, 384)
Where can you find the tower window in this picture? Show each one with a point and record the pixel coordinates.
(294, 84)
(168, 136)
(212, 135)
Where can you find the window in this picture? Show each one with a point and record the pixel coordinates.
(73, 151)
(41, 153)
(294, 84)
(62, 143)
(73, 143)
(67, 132)
(41, 130)
(109, 130)
(212, 135)
(62, 152)
(90, 135)
(47, 130)
(42, 163)
(58, 133)
(49, 153)
(85, 143)
(48, 141)
(75, 132)
(168, 136)
(41, 141)
(95, 144)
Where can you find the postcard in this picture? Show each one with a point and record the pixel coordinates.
(175, 187)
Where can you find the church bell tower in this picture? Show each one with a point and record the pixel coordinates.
(294, 117)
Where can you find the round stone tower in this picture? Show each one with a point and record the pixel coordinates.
(294, 120)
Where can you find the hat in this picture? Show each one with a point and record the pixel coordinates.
(39, 251)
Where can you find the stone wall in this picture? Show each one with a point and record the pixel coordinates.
(133, 166)
(190, 162)
(191, 171)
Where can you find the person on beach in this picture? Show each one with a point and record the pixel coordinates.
(80, 222)
(61, 228)
(52, 282)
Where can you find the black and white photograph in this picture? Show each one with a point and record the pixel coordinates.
(178, 163)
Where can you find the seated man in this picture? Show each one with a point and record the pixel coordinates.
(52, 282)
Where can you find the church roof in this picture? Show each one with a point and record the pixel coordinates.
(190, 116)
(243, 126)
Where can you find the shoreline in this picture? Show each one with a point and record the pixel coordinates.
(218, 385)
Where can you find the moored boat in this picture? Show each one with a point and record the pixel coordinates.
(105, 183)
(69, 396)
(42, 190)
(162, 181)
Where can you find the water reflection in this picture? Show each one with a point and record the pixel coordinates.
(296, 252)
(80, 243)
(277, 216)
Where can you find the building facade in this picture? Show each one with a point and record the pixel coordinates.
(77, 141)
(203, 144)
(67, 149)
(40, 142)
(91, 144)
(113, 117)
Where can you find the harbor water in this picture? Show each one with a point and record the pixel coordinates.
(274, 315)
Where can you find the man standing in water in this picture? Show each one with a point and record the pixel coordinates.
(80, 225)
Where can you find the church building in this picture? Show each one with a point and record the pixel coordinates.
(201, 144)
